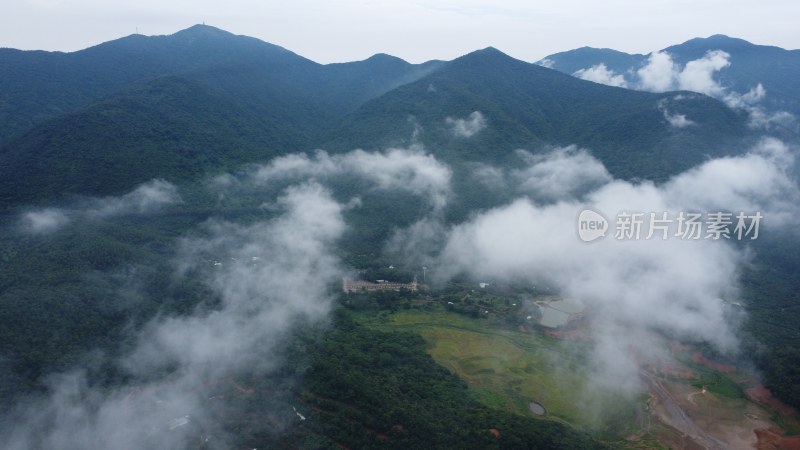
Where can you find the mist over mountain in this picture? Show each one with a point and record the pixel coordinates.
(203, 99)
(527, 106)
(740, 69)
(182, 216)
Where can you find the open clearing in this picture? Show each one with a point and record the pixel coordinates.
(509, 369)
(512, 369)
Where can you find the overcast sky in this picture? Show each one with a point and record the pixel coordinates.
(347, 30)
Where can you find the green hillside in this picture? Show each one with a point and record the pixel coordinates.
(170, 128)
(526, 105)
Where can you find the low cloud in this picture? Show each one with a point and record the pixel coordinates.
(276, 274)
(548, 63)
(411, 170)
(698, 75)
(760, 180)
(42, 221)
(661, 74)
(489, 176)
(675, 120)
(562, 173)
(268, 277)
(601, 74)
(638, 294)
(467, 127)
(145, 199)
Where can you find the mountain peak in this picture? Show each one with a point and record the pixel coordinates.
(385, 58)
(489, 51)
(203, 30)
(718, 42)
(486, 54)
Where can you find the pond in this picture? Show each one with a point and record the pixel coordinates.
(537, 408)
(557, 313)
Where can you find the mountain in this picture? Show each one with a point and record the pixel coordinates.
(167, 128)
(205, 100)
(36, 85)
(776, 69)
(572, 61)
(87, 292)
(178, 127)
(168, 106)
(528, 106)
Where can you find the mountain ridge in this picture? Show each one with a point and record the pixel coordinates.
(36, 85)
(527, 106)
(775, 68)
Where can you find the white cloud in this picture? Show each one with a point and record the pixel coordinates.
(750, 98)
(675, 120)
(410, 170)
(147, 198)
(42, 221)
(698, 75)
(601, 74)
(468, 127)
(659, 74)
(261, 297)
(490, 176)
(639, 293)
(261, 301)
(559, 174)
(760, 118)
(662, 74)
(757, 181)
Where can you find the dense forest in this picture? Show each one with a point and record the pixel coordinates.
(149, 143)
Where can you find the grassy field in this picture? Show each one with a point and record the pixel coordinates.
(507, 369)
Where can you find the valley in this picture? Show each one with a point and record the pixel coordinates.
(208, 241)
(510, 369)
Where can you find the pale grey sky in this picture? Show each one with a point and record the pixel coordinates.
(415, 30)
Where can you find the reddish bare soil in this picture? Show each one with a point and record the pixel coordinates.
(772, 439)
(719, 367)
(566, 334)
(675, 370)
(761, 394)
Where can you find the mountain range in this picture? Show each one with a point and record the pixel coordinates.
(203, 100)
(206, 189)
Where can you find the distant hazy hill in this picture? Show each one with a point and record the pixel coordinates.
(778, 70)
(525, 105)
(36, 85)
